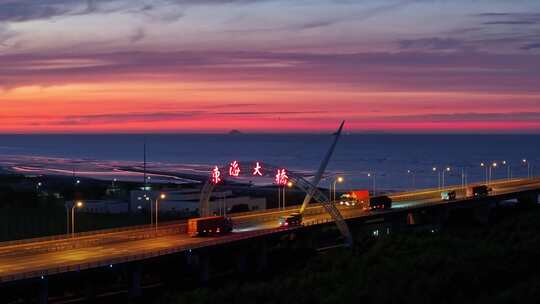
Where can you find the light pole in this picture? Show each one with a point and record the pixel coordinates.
(434, 169)
(494, 166)
(372, 175)
(413, 178)
(290, 185)
(526, 162)
(162, 196)
(463, 177)
(447, 169)
(333, 192)
(483, 165)
(508, 170)
(78, 204)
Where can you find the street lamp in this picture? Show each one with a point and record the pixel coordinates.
(434, 169)
(372, 175)
(493, 166)
(162, 196)
(483, 165)
(413, 178)
(77, 204)
(290, 185)
(447, 169)
(508, 169)
(526, 162)
(38, 185)
(333, 192)
(464, 181)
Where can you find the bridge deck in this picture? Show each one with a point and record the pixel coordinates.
(46, 256)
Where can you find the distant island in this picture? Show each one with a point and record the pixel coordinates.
(235, 132)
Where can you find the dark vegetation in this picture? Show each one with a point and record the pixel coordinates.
(466, 263)
(28, 210)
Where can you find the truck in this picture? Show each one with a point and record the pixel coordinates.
(293, 219)
(209, 226)
(449, 195)
(380, 202)
(355, 198)
(478, 191)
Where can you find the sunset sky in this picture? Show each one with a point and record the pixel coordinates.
(96, 66)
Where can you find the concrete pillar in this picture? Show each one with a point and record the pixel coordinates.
(411, 220)
(262, 256)
(134, 277)
(44, 290)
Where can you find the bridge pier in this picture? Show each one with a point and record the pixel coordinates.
(412, 219)
(134, 277)
(43, 297)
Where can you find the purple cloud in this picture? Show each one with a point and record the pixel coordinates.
(404, 71)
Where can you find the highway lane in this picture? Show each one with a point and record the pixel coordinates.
(16, 259)
(140, 232)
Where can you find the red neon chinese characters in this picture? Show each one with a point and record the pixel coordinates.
(216, 176)
(257, 170)
(234, 169)
(281, 177)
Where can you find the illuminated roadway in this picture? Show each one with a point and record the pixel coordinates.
(34, 258)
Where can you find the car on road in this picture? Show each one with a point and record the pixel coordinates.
(355, 198)
(478, 191)
(380, 202)
(293, 219)
(449, 195)
(209, 226)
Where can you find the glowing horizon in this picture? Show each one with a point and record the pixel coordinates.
(269, 66)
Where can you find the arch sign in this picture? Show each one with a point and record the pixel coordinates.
(234, 170)
(281, 177)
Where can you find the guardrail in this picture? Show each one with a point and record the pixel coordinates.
(83, 234)
(98, 239)
(140, 256)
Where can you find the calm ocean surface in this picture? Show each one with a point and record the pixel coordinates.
(389, 156)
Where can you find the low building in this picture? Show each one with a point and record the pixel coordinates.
(187, 201)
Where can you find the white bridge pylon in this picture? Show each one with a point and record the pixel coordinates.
(269, 171)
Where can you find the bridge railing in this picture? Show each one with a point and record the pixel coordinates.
(79, 235)
(141, 255)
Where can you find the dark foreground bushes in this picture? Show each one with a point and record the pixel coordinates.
(497, 264)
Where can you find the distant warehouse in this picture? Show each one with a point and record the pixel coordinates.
(187, 201)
